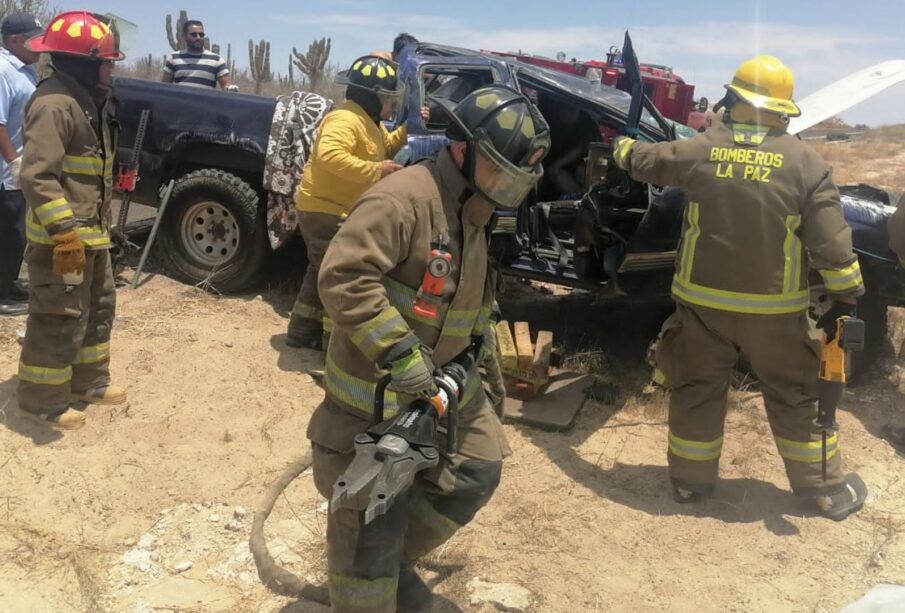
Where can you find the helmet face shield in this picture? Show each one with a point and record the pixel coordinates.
(393, 97)
(498, 180)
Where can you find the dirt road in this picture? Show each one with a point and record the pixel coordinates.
(148, 508)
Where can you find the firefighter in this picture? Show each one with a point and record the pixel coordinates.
(67, 181)
(369, 283)
(349, 156)
(762, 207)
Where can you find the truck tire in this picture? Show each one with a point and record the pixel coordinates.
(213, 232)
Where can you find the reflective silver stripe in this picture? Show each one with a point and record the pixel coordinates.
(403, 298)
(43, 375)
(738, 302)
(700, 451)
(93, 353)
(354, 391)
(808, 452)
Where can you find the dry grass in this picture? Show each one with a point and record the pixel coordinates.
(856, 160)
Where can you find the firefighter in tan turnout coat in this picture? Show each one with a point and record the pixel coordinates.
(762, 208)
(369, 282)
(67, 180)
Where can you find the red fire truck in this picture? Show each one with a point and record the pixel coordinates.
(667, 90)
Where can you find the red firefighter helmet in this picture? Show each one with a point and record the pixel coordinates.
(78, 33)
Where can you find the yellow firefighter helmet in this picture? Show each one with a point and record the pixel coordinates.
(766, 83)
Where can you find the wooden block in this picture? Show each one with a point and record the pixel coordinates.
(508, 355)
(554, 407)
(523, 346)
(542, 349)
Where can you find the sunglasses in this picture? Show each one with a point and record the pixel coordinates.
(196, 34)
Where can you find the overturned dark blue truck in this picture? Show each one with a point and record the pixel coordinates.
(614, 236)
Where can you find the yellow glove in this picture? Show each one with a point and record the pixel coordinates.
(68, 253)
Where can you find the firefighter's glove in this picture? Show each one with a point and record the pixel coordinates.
(68, 253)
(827, 321)
(412, 374)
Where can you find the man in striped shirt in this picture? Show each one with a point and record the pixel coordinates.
(196, 66)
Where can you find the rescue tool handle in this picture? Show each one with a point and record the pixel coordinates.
(452, 412)
(379, 393)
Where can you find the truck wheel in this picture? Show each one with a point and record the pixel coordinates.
(213, 231)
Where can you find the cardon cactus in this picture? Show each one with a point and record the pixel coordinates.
(259, 63)
(175, 36)
(314, 63)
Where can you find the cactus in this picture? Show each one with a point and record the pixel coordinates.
(146, 66)
(230, 64)
(259, 63)
(288, 82)
(175, 37)
(314, 63)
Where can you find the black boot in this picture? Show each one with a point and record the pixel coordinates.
(412, 595)
(848, 499)
(304, 333)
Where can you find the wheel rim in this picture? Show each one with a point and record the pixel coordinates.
(210, 233)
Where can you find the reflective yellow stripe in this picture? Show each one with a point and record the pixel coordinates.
(354, 593)
(91, 236)
(809, 452)
(621, 153)
(52, 211)
(380, 333)
(83, 165)
(690, 240)
(845, 279)
(402, 297)
(359, 393)
(306, 311)
(749, 134)
(43, 375)
(740, 302)
(792, 252)
(460, 323)
(699, 451)
(354, 391)
(452, 322)
(327, 323)
(91, 354)
(483, 317)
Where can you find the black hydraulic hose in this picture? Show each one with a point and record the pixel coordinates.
(277, 579)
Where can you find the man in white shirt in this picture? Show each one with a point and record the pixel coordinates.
(17, 84)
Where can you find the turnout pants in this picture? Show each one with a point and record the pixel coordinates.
(307, 318)
(67, 338)
(697, 352)
(364, 559)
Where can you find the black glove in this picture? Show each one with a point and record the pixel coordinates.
(827, 321)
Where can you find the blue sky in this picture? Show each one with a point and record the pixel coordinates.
(703, 40)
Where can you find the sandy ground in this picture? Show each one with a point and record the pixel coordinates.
(148, 508)
(109, 517)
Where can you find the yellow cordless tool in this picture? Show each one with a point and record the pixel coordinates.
(849, 336)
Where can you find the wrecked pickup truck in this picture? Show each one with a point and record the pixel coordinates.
(613, 236)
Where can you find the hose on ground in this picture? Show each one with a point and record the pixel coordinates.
(277, 579)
